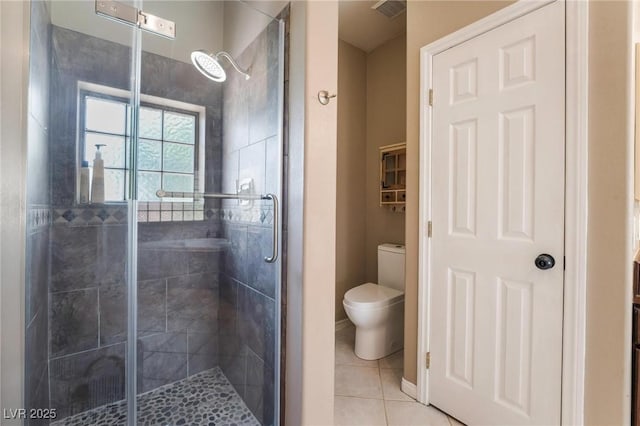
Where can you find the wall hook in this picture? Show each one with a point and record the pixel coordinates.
(324, 97)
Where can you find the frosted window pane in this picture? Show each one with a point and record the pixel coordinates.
(179, 127)
(150, 123)
(112, 154)
(149, 155)
(105, 116)
(176, 182)
(113, 185)
(148, 184)
(178, 158)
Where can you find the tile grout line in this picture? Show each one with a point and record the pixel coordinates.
(380, 378)
(384, 399)
(358, 397)
(386, 415)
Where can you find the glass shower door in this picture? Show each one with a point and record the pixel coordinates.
(208, 264)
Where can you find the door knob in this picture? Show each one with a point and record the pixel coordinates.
(545, 261)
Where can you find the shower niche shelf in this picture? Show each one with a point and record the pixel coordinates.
(393, 176)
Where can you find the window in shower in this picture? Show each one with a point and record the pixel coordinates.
(170, 153)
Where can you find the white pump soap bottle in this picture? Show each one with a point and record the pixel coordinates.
(97, 183)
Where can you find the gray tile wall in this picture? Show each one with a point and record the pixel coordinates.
(247, 315)
(177, 311)
(177, 290)
(38, 209)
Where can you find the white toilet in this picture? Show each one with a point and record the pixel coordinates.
(377, 310)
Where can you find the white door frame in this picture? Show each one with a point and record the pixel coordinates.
(576, 110)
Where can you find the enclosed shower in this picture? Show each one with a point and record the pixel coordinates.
(160, 303)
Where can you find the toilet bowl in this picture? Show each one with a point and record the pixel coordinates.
(377, 310)
(378, 314)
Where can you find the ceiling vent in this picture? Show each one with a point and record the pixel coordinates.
(390, 8)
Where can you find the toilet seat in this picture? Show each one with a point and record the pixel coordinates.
(370, 295)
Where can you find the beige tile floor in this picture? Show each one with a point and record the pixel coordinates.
(368, 392)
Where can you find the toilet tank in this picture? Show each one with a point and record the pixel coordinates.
(391, 266)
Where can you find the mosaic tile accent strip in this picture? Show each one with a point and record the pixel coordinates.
(90, 215)
(206, 398)
(147, 212)
(261, 214)
(38, 216)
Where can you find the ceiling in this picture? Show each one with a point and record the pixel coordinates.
(366, 28)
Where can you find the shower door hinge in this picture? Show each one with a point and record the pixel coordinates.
(428, 360)
(430, 97)
(133, 16)
(429, 229)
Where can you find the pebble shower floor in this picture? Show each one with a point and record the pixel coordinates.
(206, 398)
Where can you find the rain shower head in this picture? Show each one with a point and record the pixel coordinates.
(209, 65)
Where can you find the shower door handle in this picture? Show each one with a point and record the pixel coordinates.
(274, 235)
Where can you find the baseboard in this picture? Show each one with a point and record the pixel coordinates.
(409, 388)
(342, 324)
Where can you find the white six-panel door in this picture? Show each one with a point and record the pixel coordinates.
(498, 149)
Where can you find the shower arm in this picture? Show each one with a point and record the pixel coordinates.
(161, 193)
(234, 63)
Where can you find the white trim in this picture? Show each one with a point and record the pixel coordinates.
(342, 324)
(483, 25)
(408, 388)
(576, 204)
(424, 214)
(576, 193)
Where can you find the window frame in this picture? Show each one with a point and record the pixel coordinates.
(164, 104)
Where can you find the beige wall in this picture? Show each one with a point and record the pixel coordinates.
(426, 22)
(386, 125)
(319, 230)
(14, 66)
(311, 218)
(351, 228)
(610, 195)
(371, 114)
